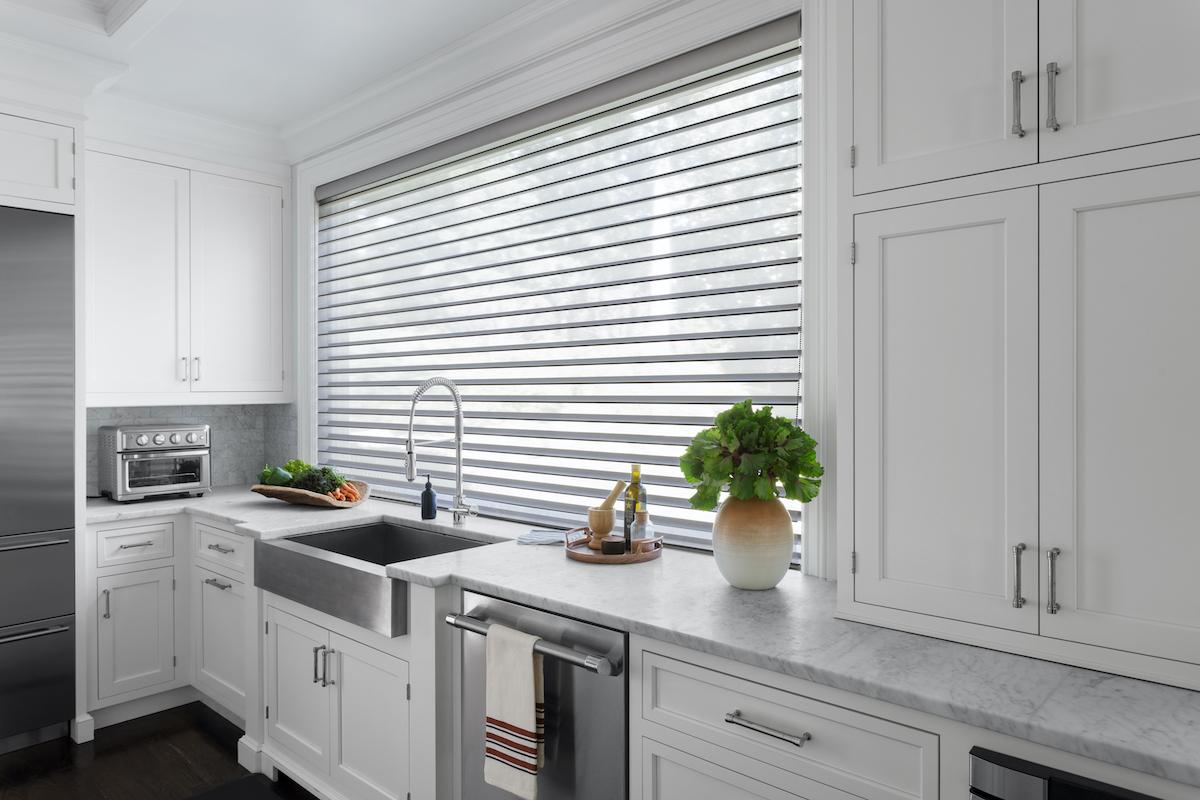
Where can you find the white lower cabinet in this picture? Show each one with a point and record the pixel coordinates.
(135, 623)
(668, 773)
(218, 644)
(337, 707)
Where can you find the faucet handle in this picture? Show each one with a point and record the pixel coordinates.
(462, 509)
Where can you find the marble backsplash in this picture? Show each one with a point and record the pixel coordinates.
(244, 437)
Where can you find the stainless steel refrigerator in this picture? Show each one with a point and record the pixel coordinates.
(37, 475)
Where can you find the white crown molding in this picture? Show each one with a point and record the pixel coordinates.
(545, 51)
(117, 118)
(44, 75)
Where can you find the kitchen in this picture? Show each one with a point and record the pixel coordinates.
(504, 398)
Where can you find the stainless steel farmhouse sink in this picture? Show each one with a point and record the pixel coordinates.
(342, 572)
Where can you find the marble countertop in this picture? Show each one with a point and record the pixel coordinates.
(682, 599)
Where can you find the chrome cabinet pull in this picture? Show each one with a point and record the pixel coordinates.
(1052, 605)
(135, 545)
(222, 550)
(735, 718)
(35, 634)
(30, 545)
(1017, 79)
(185, 368)
(1052, 71)
(317, 649)
(325, 679)
(218, 584)
(107, 605)
(1017, 600)
(196, 376)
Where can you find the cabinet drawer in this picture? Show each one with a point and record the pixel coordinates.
(863, 755)
(221, 547)
(139, 543)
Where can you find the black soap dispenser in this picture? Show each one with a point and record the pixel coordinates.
(428, 500)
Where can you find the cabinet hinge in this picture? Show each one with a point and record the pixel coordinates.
(853, 156)
(174, 661)
(408, 691)
(853, 562)
(72, 183)
(268, 712)
(172, 584)
(72, 148)
(853, 253)
(266, 628)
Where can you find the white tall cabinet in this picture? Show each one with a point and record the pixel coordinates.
(1018, 328)
(185, 285)
(945, 298)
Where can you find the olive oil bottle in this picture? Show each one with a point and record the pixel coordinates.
(635, 500)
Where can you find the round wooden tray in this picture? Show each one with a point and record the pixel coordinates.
(643, 550)
(303, 497)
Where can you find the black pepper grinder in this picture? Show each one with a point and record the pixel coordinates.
(428, 500)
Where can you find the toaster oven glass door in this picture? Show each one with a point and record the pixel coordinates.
(181, 471)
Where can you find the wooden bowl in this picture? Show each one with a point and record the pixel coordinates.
(303, 497)
(600, 524)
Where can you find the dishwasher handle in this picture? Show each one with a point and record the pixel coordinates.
(592, 662)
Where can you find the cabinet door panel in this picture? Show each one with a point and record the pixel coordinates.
(218, 613)
(933, 89)
(1128, 75)
(1120, 378)
(370, 721)
(237, 293)
(36, 160)
(137, 276)
(135, 623)
(299, 704)
(945, 405)
(671, 774)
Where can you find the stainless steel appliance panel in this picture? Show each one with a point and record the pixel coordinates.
(37, 370)
(586, 726)
(37, 576)
(37, 661)
(996, 776)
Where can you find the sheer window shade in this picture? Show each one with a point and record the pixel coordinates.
(599, 289)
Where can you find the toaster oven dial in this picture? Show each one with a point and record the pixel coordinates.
(192, 438)
(176, 438)
(142, 440)
(159, 438)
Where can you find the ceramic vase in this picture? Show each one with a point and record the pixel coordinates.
(752, 542)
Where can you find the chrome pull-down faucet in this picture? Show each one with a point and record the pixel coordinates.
(461, 508)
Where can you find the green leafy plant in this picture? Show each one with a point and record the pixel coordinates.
(752, 453)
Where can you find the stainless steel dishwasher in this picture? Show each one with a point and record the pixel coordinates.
(586, 700)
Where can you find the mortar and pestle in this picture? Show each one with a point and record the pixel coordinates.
(600, 518)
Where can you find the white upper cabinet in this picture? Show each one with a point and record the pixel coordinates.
(934, 91)
(1127, 73)
(138, 304)
(184, 286)
(37, 160)
(237, 293)
(945, 409)
(1120, 377)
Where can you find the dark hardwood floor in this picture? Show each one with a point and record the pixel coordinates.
(172, 755)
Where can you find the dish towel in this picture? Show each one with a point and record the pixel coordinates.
(514, 728)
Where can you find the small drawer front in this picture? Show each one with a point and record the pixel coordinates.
(140, 543)
(861, 754)
(220, 547)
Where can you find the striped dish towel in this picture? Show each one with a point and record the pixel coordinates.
(514, 728)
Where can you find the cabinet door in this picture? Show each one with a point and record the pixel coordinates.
(237, 293)
(1120, 378)
(218, 637)
(933, 89)
(298, 718)
(137, 276)
(369, 721)
(1127, 74)
(36, 160)
(135, 623)
(945, 408)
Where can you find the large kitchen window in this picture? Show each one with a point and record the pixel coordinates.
(599, 288)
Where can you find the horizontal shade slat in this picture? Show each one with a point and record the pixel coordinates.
(600, 289)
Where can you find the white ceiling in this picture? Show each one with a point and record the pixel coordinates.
(263, 64)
